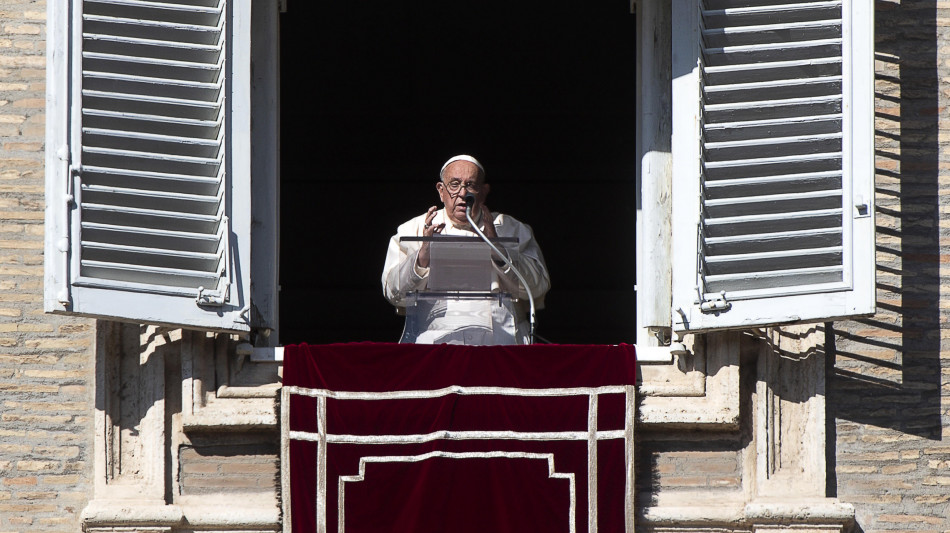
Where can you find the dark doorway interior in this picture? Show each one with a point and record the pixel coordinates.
(376, 95)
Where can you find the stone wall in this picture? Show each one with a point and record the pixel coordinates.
(46, 371)
(246, 464)
(679, 464)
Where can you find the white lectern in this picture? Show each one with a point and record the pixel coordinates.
(462, 302)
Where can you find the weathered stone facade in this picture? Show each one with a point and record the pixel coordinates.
(108, 426)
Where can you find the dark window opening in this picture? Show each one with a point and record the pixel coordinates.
(376, 95)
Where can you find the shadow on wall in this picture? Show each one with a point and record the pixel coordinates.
(886, 369)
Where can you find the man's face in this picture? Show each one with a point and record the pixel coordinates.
(459, 178)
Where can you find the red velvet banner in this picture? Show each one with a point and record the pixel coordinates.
(435, 438)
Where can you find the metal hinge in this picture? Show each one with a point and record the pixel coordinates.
(712, 302)
(211, 298)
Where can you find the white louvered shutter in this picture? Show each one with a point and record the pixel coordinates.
(147, 168)
(773, 162)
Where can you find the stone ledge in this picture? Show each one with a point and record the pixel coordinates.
(224, 515)
(236, 515)
(223, 421)
(819, 514)
(104, 513)
(821, 511)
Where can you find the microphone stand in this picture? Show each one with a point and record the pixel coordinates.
(469, 202)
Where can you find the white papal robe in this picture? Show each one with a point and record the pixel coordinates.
(458, 322)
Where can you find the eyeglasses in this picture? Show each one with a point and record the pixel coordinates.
(455, 186)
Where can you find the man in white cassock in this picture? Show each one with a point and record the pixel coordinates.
(471, 322)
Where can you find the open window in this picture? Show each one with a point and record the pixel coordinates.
(161, 162)
(162, 165)
(375, 96)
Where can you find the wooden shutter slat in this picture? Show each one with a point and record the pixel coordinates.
(153, 48)
(772, 70)
(775, 216)
(777, 203)
(159, 237)
(767, 282)
(154, 30)
(131, 24)
(773, 109)
(176, 127)
(772, 141)
(771, 52)
(132, 137)
(787, 49)
(108, 208)
(741, 69)
(799, 179)
(772, 222)
(151, 220)
(165, 157)
(154, 83)
(751, 92)
(154, 200)
(773, 127)
(783, 240)
(157, 257)
(156, 68)
(108, 40)
(771, 260)
(770, 85)
(209, 7)
(150, 103)
(129, 141)
(766, 7)
(182, 182)
(167, 121)
(765, 185)
(731, 26)
(782, 161)
(809, 31)
(155, 12)
(782, 146)
(181, 278)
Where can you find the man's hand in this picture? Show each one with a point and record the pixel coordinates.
(429, 230)
(489, 222)
(490, 232)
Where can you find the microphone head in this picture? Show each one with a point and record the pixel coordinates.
(469, 200)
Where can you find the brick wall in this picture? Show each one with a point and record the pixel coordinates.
(46, 369)
(670, 461)
(249, 465)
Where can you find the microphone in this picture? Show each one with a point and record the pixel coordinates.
(469, 202)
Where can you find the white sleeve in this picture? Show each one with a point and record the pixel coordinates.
(400, 272)
(529, 260)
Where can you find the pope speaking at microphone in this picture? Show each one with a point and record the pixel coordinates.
(460, 322)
